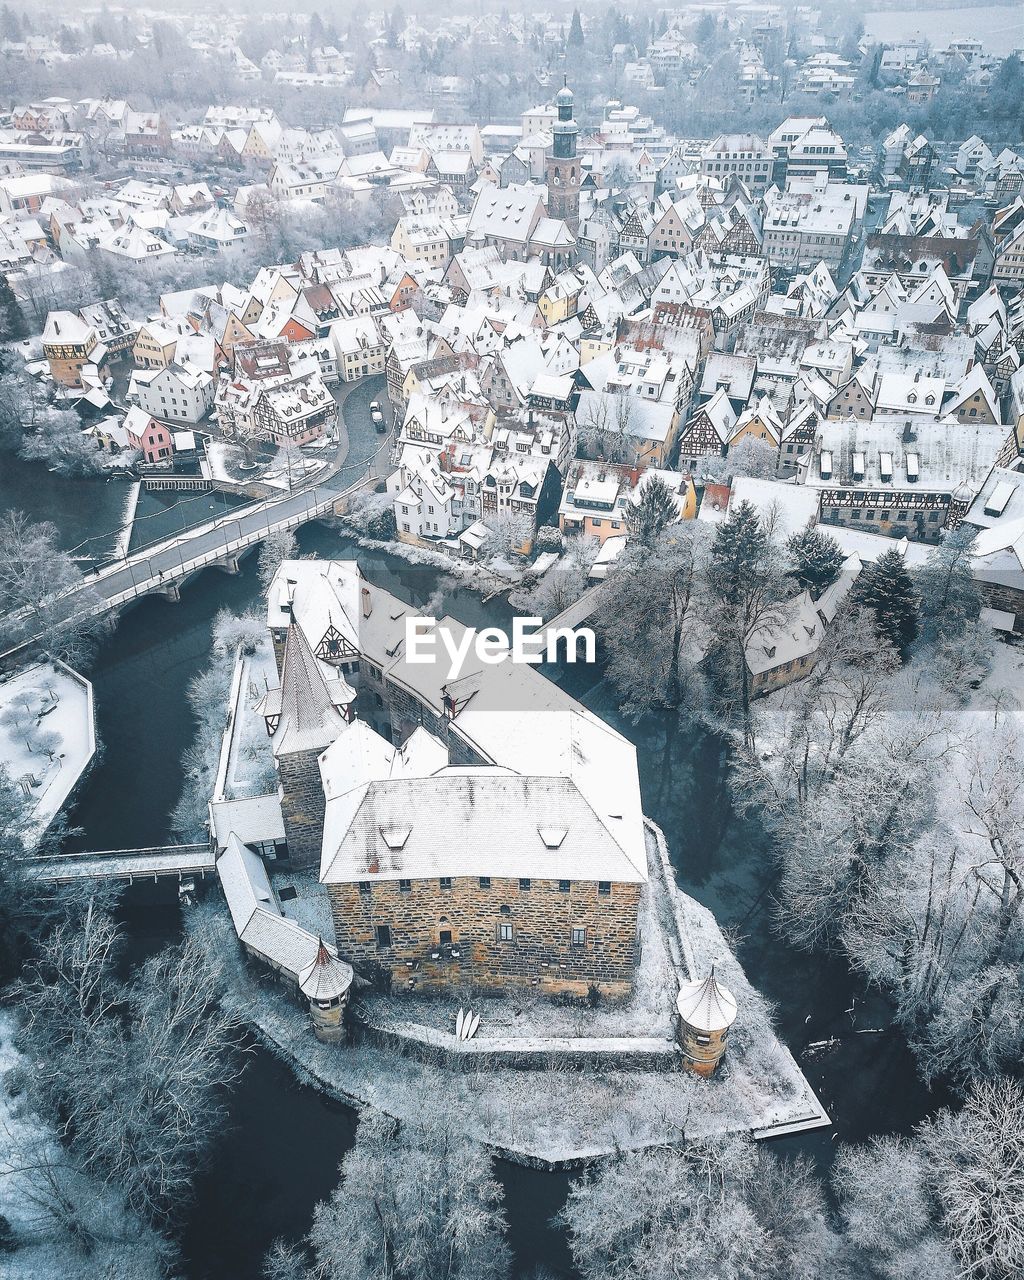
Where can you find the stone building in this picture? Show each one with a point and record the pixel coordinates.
(477, 828)
(69, 344)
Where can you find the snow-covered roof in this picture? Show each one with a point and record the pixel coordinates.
(472, 822)
(706, 1006)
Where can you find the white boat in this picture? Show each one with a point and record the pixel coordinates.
(460, 1025)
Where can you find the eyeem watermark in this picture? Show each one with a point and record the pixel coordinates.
(424, 638)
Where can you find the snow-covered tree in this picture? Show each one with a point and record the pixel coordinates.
(946, 1202)
(34, 574)
(646, 618)
(415, 1202)
(58, 440)
(949, 596)
(507, 533)
(277, 547)
(564, 582)
(722, 1208)
(746, 588)
(815, 559)
(885, 588)
(648, 516)
(135, 1071)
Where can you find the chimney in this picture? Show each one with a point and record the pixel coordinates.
(367, 602)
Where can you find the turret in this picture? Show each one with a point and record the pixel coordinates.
(706, 1012)
(325, 982)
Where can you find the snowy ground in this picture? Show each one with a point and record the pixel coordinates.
(567, 1109)
(29, 1154)
(247, 766)
(282, 471)
(47, 734)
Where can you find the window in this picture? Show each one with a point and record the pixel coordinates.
(404, 886)
(703, 1039)
(564, 886)
(446, 882)
(444, 937)
(604, 888)
(364, 888)
(485, 882)
(579, 937)
(383, 936)
(524, 882)
(506, 932)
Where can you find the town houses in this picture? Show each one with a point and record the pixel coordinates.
(548, 336)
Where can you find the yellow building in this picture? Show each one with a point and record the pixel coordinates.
(154, 346)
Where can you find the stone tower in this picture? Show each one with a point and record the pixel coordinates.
(706, 1012)
(325, 983)
(308, 723)
(562, 170)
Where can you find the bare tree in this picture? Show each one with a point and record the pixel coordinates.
(647, 621)
(277, 547)
(135, 1073)
(667, 1212)
(414, 1203)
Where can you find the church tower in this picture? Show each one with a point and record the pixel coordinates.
(562, 171)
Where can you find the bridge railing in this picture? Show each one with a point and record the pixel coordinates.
(185, 568)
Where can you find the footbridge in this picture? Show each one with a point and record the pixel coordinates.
(575, 614)
(176, 861)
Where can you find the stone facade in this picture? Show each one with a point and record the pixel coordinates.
(558, 936)
(1006, 597)
(302, 805)
(703, 1050)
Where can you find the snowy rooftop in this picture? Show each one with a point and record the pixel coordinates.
(47, 735)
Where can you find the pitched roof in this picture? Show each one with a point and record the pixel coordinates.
(309, 719)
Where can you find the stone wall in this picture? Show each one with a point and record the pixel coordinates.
(1010, 599)
(302, 805)
(540, 953)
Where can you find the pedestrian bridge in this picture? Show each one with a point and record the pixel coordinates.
(175, 861)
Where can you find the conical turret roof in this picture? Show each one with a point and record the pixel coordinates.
(325, 977)
(707, 1005)
(309, 719)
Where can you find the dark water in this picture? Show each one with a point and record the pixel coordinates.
(281, 1152)
(88, 514)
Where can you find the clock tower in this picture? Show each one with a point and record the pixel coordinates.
(562, 170)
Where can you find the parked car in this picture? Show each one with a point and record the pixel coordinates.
(377, 417)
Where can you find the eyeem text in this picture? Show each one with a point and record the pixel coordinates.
(424, 638)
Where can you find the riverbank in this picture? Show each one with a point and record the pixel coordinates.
(543, 1086)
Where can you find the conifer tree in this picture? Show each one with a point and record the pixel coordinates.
(815, 559)
(886, 589)
(575, 38)
(651, 514)
(737, 553)
(12, 321)
(949, 594)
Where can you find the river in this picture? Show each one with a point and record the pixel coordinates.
(280, 1154)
